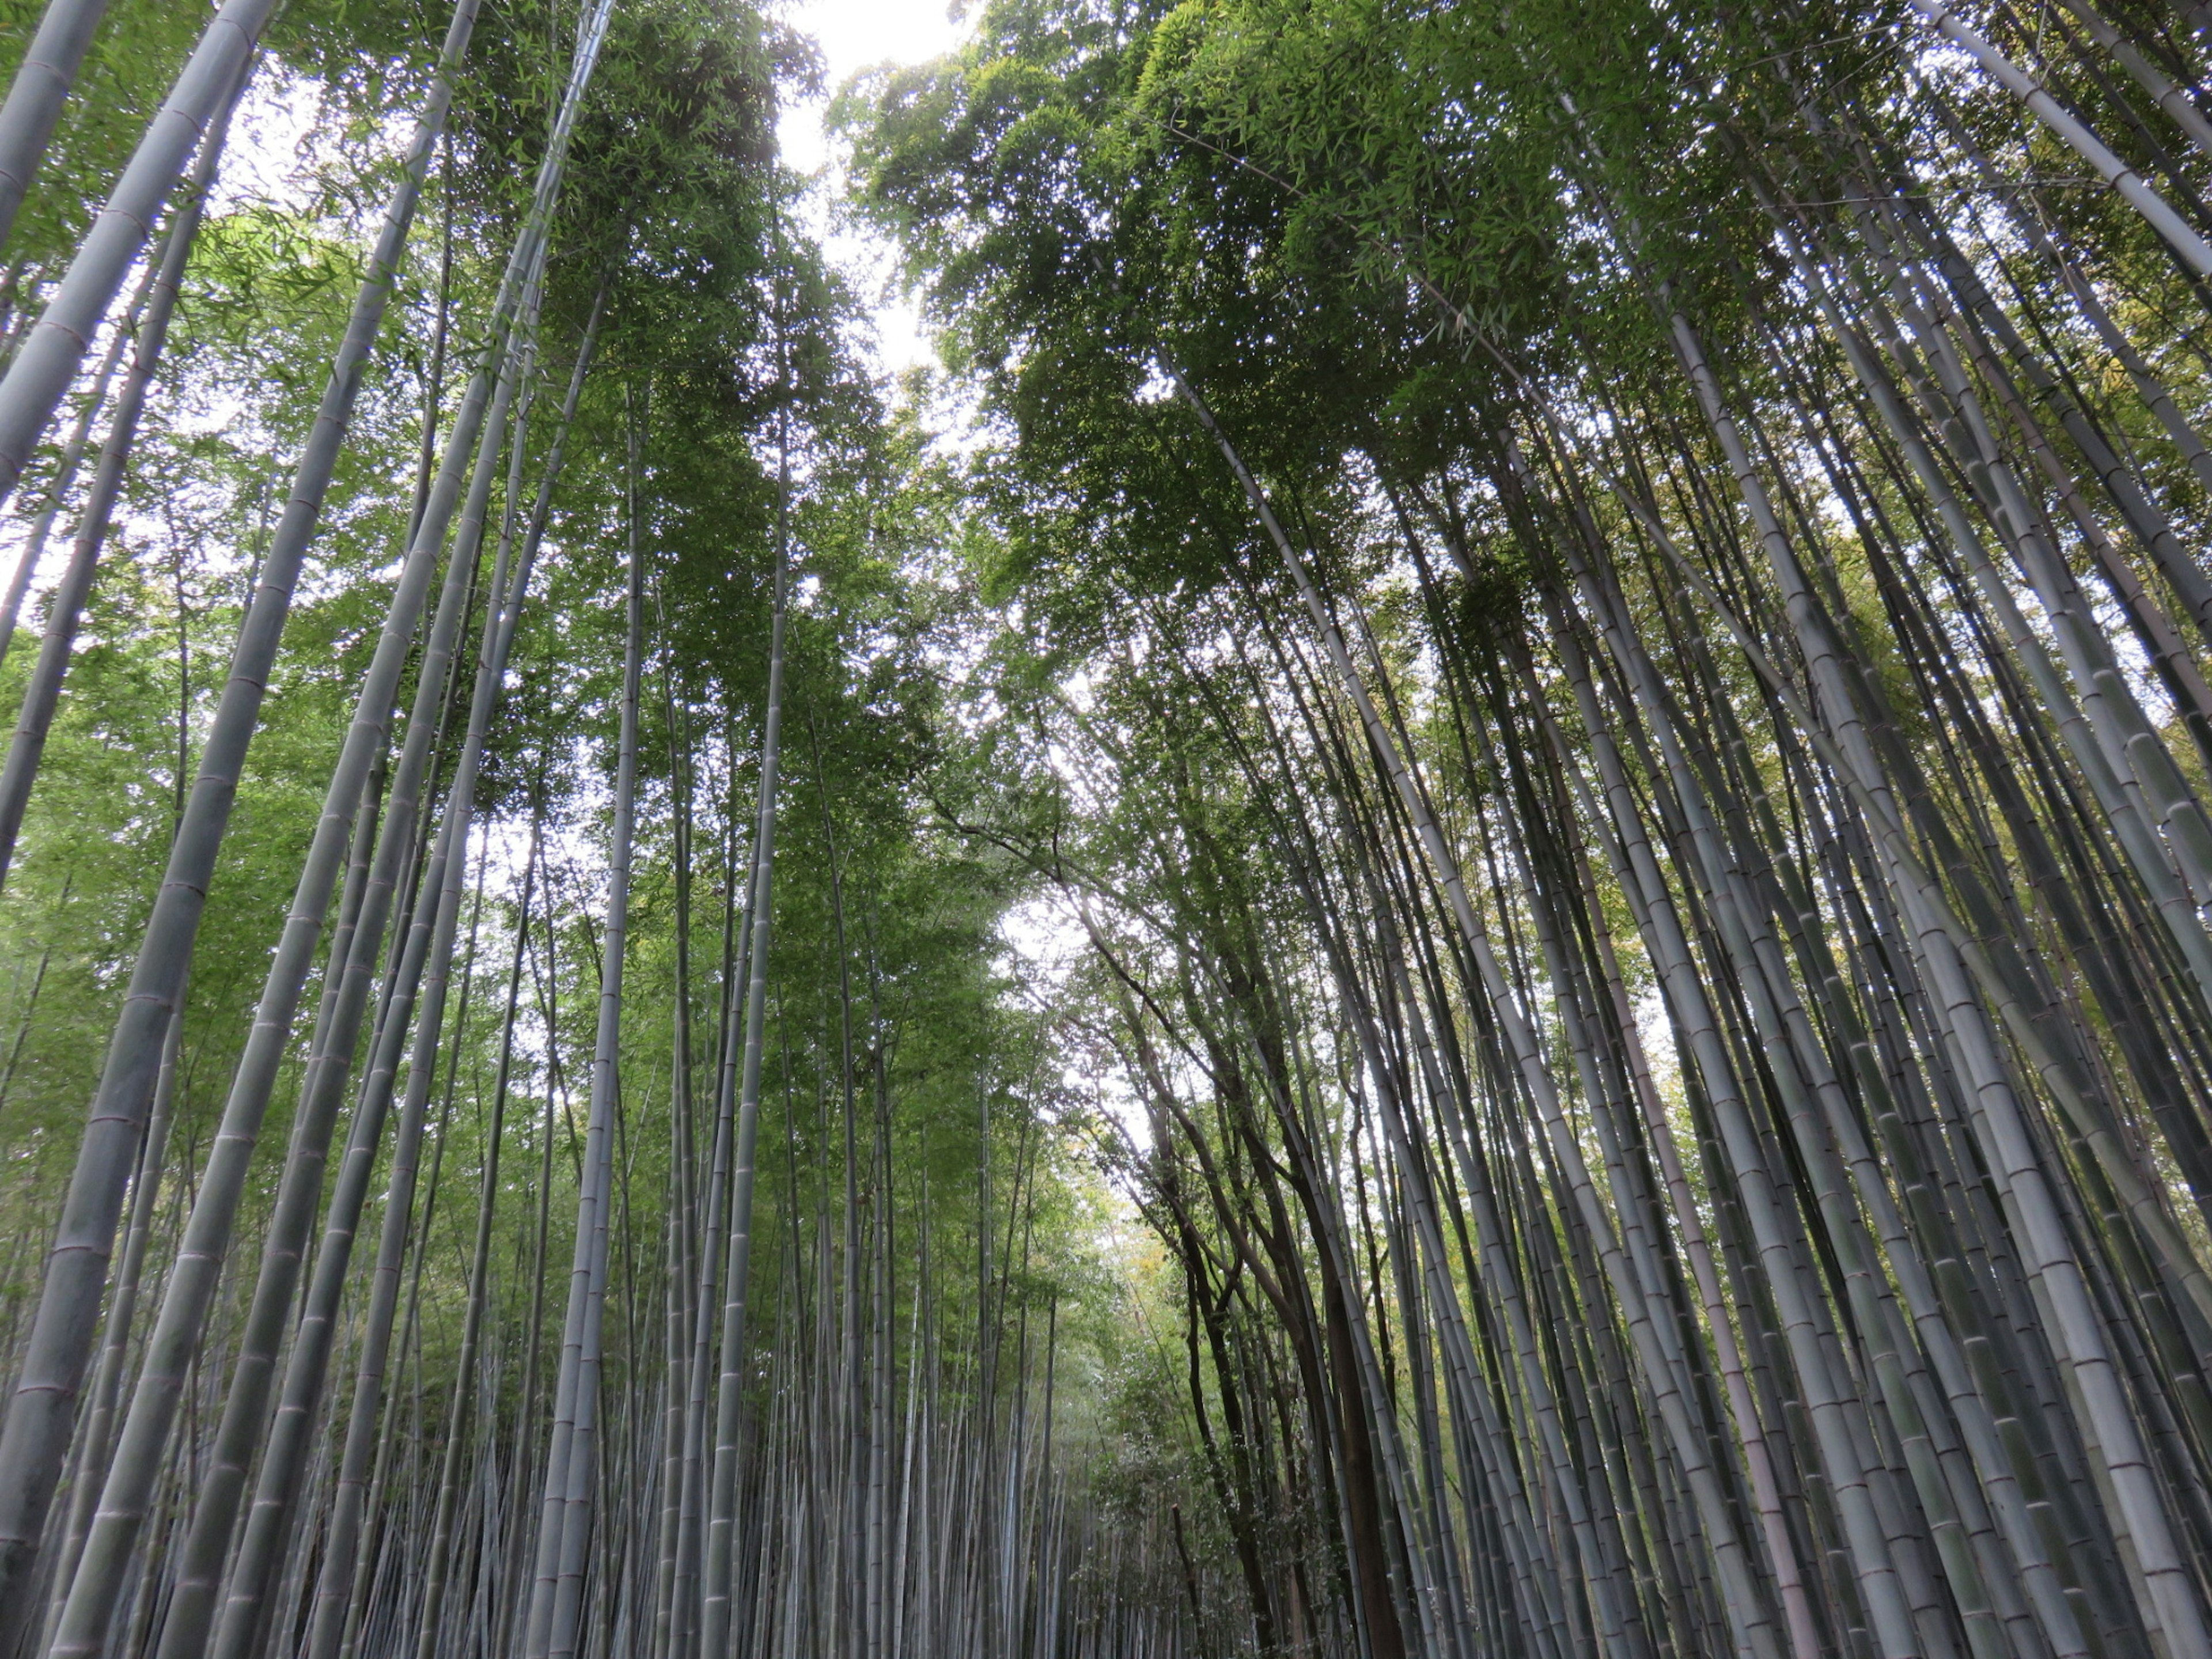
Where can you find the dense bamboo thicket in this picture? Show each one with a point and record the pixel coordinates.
(1461, 908)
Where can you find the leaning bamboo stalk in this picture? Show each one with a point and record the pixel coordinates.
(2161, 90)
(1530, 1505)
(96, 1439)
(56, 489)
(2126, 182)
(36, 95)
(47, 362)
(1540, 1403)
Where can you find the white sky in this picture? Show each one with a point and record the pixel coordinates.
(856, 35)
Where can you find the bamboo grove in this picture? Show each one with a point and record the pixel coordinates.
(1581, 628)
